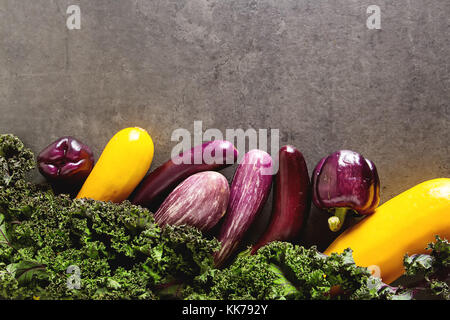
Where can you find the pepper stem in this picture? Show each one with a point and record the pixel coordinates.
(335, 222)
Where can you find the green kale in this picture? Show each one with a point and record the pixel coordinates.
(281, 270)
(15, 159)
(119, 249)
(432, 269)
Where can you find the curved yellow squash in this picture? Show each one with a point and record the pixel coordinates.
(122, 165)
(404, 224)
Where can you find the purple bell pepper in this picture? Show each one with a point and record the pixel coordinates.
(345, 181)
(66, 161)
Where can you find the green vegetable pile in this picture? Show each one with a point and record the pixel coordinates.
(282, 270)
(54, 247)
(430, 274)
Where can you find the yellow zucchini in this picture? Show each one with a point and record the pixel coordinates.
(122, 165)
(404, 224)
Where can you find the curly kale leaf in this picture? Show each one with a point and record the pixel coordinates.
(24, 271)
(4, 238)
(131, 234)
(121, 252)
(15, 159)
(433, 268)
(281, 270)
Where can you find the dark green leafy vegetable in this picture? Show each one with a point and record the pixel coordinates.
(432, 269)
(15, 159)
(281, 270)
(24, 271)
(119, 249)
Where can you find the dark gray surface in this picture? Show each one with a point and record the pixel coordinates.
(309, 68)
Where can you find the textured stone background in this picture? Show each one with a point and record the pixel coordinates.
(309, 68)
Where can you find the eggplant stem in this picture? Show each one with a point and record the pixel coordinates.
(335, 222)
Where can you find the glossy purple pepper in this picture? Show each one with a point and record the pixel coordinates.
(66, 161)
(344, 181)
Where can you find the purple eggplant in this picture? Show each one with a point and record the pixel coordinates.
(249, 192)
(345, 181)
(291, 198)
(210, 156)
(199, 201)
(66, 162)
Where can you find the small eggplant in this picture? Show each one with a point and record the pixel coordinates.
(344, 181)
(249, 192)
(66, 162)
(291, 198)
(199, 201)
(212, 155)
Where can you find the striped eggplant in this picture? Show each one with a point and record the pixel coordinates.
(291, 198)
(249, 191)
(199, 201)
(210, 156)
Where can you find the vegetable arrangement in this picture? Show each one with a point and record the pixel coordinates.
(404, 224)
(154, 188)
(124, 251)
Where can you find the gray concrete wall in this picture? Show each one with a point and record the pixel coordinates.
(311, 69)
